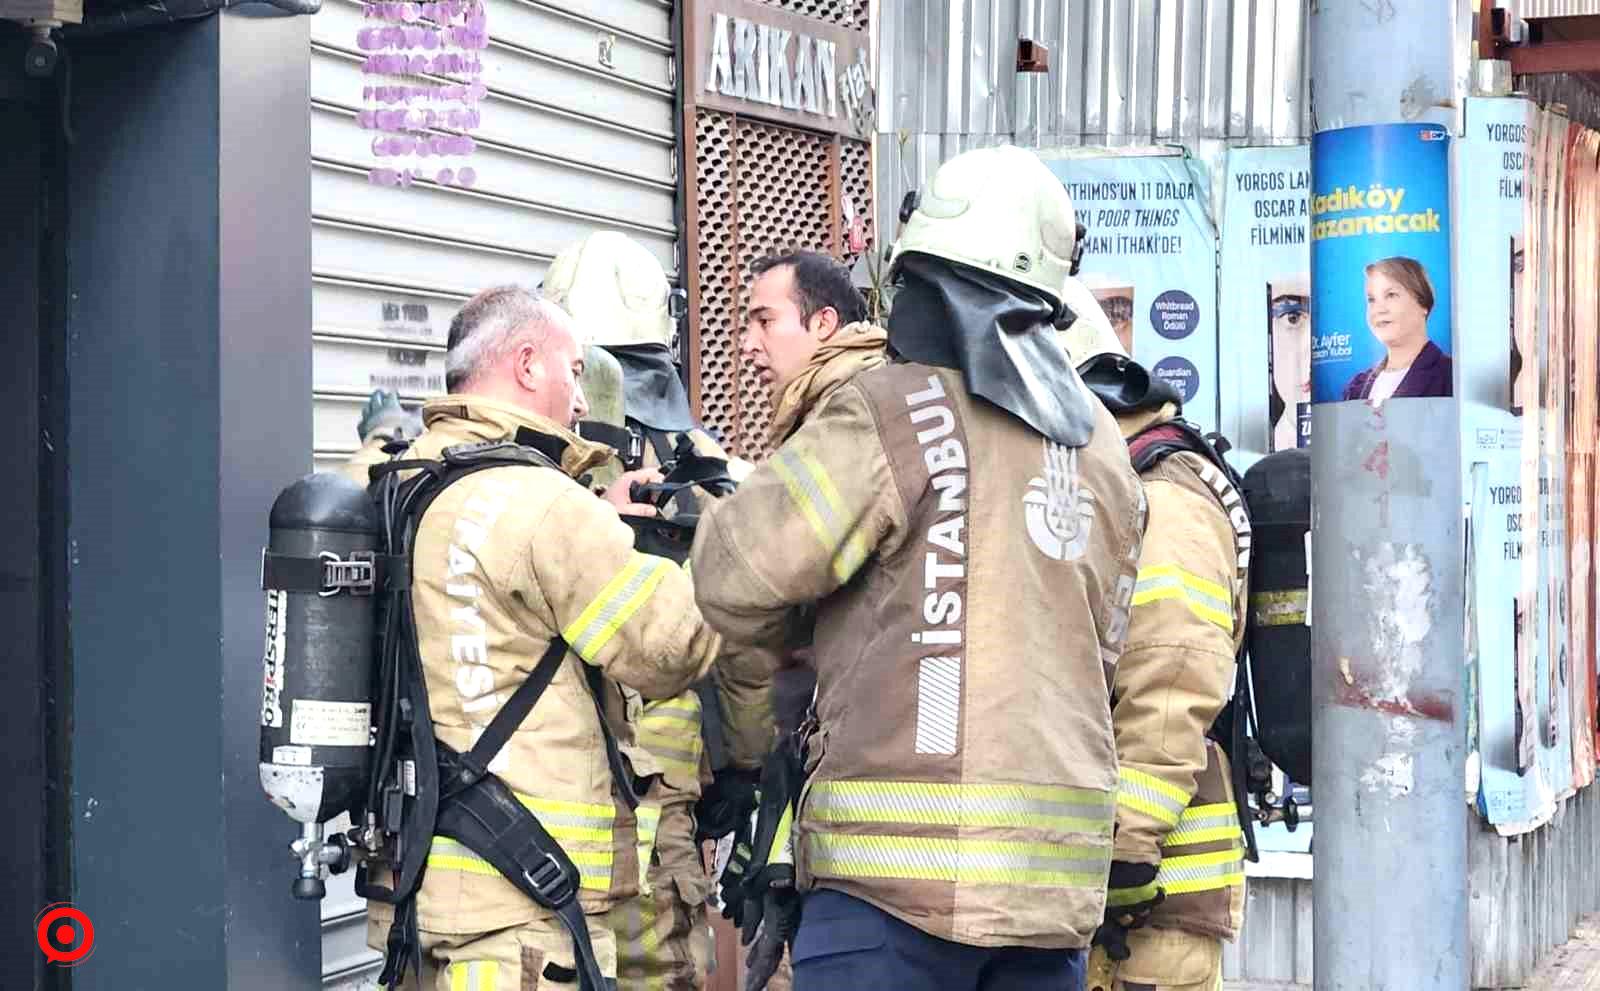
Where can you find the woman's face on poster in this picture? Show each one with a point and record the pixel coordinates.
(1393, 314)
(1291, 349)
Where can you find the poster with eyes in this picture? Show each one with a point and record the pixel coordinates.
(1264, 298)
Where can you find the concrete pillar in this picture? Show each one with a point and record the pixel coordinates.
(1390, 893)
(189, 366)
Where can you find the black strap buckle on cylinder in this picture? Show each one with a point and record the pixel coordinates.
(327, 574)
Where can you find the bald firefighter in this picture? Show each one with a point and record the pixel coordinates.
(711, 738)
(964, 525)
(537, 627)
(1177, 877)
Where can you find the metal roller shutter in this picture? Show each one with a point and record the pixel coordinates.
(577, 135)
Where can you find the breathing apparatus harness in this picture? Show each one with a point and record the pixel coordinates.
(420, 787)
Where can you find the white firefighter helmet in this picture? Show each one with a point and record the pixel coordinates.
(1000, 210)
(1091, 334)
(614, 287)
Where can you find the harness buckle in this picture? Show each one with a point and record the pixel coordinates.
(550, 882)
(356, 574)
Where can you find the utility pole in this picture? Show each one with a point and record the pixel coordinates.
(1390, 892)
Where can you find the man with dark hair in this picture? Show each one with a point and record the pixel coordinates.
(799, 301)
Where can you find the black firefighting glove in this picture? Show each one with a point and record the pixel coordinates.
(1131, 895)
(730, 883)
(771, 911)
(727, 803)
(780, 918)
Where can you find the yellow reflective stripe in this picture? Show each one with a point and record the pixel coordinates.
(958, 861)
(617, 601)
(594, 866)
(923, 803)
(474, 975)
(1205, 824)
(1148, 794)
(685, 765)
(782, 850)
(1206, 599)
(814, 494)
(1201, 872)
(670, 730)
(683, 709)
(649, 824)
(577, 822)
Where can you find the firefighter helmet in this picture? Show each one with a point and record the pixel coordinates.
(1000, 210)
(616, 290)
(1090, 335)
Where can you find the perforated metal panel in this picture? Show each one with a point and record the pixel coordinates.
(846, 13)
(760, 188)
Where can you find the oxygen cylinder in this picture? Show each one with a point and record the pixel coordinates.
(318, 572)
(602, 386)
(1278, 491)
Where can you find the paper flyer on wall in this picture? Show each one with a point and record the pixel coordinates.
(1264, 298)
(1150, 258)
(1380, 257)
(1522, 742)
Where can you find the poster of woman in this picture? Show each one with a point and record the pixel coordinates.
(1399, 300)
(1380, 258)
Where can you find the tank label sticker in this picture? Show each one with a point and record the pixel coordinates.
(292, 756)
(295, 790)
(314, 723)
(272, 660)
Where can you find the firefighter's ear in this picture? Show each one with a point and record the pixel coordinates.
(824, 324)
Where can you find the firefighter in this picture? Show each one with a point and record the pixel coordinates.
(505, 560)
(806, 334)
(1177, 874)
(964, 525)
(616, 289)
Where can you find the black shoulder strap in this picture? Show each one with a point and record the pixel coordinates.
(475, 762)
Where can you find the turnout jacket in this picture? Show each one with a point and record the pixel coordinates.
(971, 583)
(1175, 798)
(505, 559)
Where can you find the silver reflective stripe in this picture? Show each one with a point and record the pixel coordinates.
(938, 705)
(1014, 806)
(959, 861)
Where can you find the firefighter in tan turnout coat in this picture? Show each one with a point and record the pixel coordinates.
(1177, 829)
(966, 525)
(506, 559)
(617, 290)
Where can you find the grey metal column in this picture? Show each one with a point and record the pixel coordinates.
(190, 407)
(1390, 894)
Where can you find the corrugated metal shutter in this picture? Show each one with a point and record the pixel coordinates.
(578, 134)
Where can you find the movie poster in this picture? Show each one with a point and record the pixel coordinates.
(1264, 295)
(1150, 257)
(1380, 256)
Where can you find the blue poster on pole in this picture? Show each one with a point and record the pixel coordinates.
(1380, 263)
